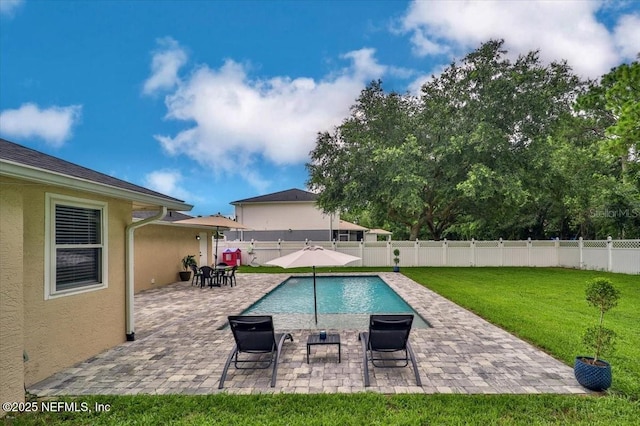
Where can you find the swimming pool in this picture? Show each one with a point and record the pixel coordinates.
(344, 302)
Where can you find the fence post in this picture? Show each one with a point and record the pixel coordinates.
(388, 252)
(529, 251)
(501, 248)
(279, 247)
(556, 244)
(444, 252)
(580, 246)
(609, 254)
(473, 252)
(416, 252)
(361, 251)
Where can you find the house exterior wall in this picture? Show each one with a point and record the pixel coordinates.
(284, 216)
(159, 250)
(62, 331)
(11, 296)
(284, 235)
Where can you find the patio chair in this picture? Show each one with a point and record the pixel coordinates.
(255, 337)
(197, 275)
(229, 277)
(387, 334)
(208, 273)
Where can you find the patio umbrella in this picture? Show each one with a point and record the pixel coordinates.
(313, 256)
(215, 221)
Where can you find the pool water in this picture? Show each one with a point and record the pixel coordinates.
(344, 302)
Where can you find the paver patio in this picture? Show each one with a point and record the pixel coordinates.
(180, 350)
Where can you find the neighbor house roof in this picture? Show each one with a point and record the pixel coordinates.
(348, 226)
(290, 195)
(25, 163)
(379, 231)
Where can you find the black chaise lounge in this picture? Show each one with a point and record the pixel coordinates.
(387, 334)
(255, 336)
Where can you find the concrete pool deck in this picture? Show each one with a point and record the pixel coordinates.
(179, 349)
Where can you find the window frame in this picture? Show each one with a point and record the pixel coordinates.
(51, 248)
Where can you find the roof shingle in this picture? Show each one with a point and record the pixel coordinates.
(12, 152)
(289, 195)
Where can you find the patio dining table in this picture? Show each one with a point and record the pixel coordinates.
(220, 271)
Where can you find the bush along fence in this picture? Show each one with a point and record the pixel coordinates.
(622, 256)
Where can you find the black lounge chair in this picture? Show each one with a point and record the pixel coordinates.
(387, 334)
(254, 335)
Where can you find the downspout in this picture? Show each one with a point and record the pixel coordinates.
(129, 281)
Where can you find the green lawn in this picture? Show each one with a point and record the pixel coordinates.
(544, 306)
(354, 409)
(547, 307)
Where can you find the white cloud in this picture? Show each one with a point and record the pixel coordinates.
(165, 64)
(560, 29)
(9, 7)
(54, 124)
(239, 119)
(168, 182)
(627, 36)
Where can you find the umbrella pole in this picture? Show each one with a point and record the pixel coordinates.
(215, 255)
(315, 302)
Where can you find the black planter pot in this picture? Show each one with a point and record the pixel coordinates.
(396, 268)
(185, 275)
(593, 377)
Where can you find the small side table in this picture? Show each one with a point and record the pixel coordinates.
(331, 339)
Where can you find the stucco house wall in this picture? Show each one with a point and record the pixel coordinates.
(11, 296)
(158, 253)
(62, 331)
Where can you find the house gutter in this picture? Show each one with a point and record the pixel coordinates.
(129, 281)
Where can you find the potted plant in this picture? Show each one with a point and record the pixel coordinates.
(187, 261)
(396, 260)
(592, 372)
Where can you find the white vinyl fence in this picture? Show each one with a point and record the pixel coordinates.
(622, 256)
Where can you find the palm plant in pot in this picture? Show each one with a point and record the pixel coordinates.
(592, 372)
(187, 261)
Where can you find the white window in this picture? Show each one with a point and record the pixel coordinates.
(76, 258)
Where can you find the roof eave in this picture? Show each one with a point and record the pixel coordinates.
(34, 174)
(240, 203)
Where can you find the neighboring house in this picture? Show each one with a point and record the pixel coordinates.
(291, 215)
(348, 231)
(67, 257)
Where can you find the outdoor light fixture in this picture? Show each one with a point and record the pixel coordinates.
(197, 237)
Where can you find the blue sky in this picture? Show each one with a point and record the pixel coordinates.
(215, 101)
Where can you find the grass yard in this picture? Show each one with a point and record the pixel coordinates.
(547, 307)
(543, 306)
(353, 409)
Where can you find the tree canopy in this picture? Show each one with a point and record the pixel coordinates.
(491, 148)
